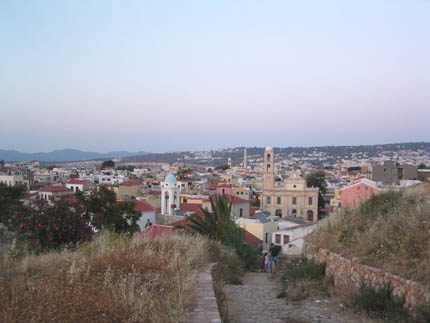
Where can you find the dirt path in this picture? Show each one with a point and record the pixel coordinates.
(255, 302)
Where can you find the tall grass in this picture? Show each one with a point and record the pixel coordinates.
(112, 279)
(391, 231)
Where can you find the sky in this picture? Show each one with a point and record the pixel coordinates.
(192, 75)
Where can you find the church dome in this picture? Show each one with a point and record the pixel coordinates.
(170, 178)
(269, 148)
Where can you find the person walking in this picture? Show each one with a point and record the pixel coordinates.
(274, 251)
(266, 262)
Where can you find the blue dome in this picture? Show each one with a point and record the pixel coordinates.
(170, 178)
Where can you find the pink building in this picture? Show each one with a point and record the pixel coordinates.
(352, 195)
(224, 189)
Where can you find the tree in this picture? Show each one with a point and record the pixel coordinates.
(10, 199)
(106, 213)
(108, 163)
(218, 225)
(422, 166)
(211, 223)
(50, 227)
(317, 179)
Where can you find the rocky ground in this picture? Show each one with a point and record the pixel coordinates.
(255, 301)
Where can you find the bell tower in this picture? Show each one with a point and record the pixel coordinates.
(269, 168)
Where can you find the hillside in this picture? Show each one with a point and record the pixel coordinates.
(315, 155)
(390, 231)
(62, 155)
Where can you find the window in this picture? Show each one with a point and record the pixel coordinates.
(241, 212)
(268, 200)
(268, 167)
(367, 188)
(277, 238)
(223, 191)
(278, 200)
(294, 200)
(310, 201)
(266, 238)
(358, 187)
(286, 239)
(268, 157)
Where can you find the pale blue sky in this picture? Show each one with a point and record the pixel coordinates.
(190, 75)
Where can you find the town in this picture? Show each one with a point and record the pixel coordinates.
(275, 199)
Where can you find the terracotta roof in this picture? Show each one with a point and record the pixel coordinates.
(154, 193)
(235, 199)
(77, 181)
(190, 207)
(224, 185)
(249, 237)
(131, 183)
(157, 230)
(140, 206)
(55, 189)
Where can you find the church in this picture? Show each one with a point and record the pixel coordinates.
(291, 197)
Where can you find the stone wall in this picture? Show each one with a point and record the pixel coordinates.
(350, 275)
(206, 308)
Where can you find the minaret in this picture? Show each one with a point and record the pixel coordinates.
(245, 165)
(229, 162)
(269, 168)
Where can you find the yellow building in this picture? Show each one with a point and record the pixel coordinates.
(262, 231)
(240, 191)
(335, 202)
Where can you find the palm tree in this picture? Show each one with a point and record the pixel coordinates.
(210, 223)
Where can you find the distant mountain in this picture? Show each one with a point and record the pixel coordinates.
(63, 155)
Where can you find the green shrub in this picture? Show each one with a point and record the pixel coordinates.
(301, 268)
(422, 313)
(379, 301)
(229, 267)
(234, 238)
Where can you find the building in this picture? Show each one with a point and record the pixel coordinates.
(291, 197)
(291, 237)
(170, 195)
(390, 173)
(352, 195)
(259, 227)
(50, 193)
(78, 185)
(14, 179)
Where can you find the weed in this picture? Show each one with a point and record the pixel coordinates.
(379, 301)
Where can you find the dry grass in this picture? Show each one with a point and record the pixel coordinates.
(112, 279)
(390, 231)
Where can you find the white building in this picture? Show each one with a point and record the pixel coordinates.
(78, 185)
(170, 195)
(290, 236)
(14, 179)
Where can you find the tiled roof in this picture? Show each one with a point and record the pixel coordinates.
(190, 207)
(140, 206)
(77, 181)
(249, 237)
(55, 189)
